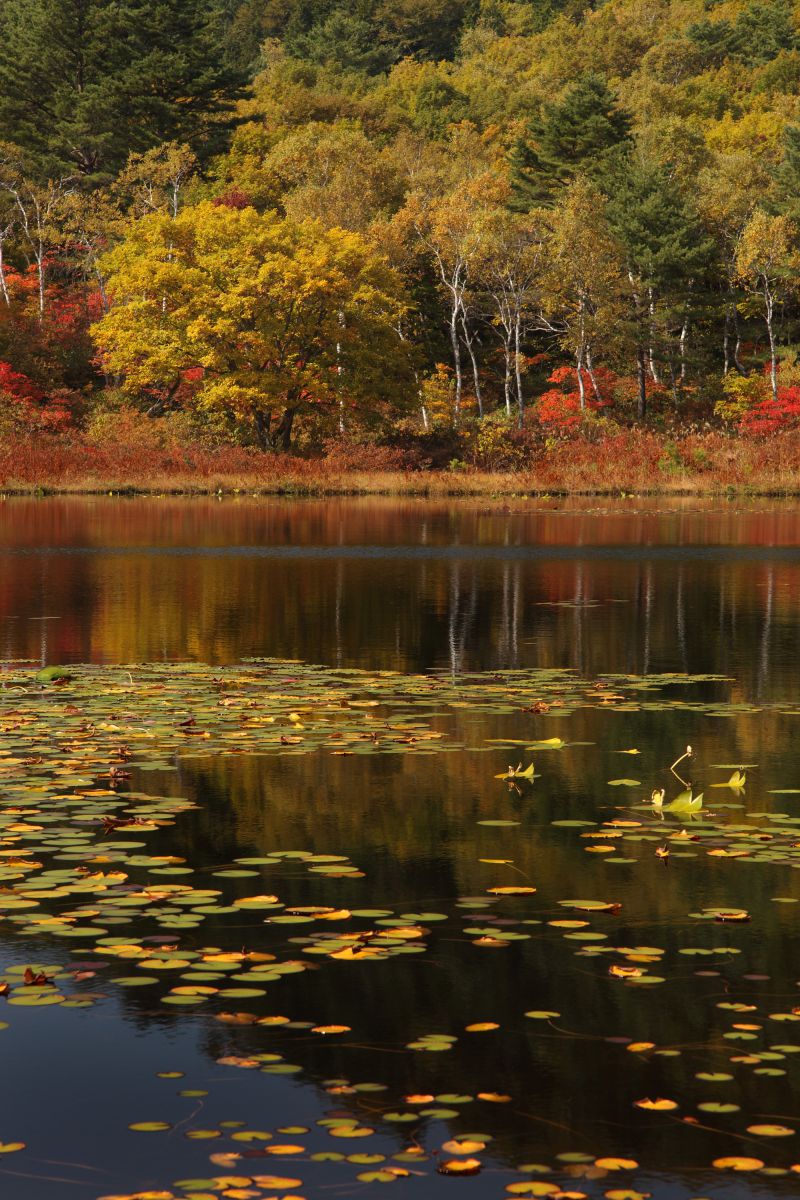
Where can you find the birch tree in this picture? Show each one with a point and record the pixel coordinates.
(766, 261)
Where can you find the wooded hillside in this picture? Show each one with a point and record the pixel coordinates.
(281, 221)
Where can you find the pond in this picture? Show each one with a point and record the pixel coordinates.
(278, 820)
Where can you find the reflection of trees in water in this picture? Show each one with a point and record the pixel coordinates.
(626, 614)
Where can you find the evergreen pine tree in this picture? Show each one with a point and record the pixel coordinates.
(572, 136)
(669, 257)
(787, 176)
(84, 82)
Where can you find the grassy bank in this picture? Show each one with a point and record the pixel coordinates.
(631, 461)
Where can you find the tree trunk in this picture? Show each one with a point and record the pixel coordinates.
(3, 284)
(773, 358)
(581, 347)
(590, 370)
(581, 386)
(684, 340)
(469, 340)
(738, 346)
(261, 423)
(40, 268)
(283, 430)
(651, 352)
(456, 361)
(641, 368)
(339, 372)
(507, 379)
(726, 340)
(518, 373)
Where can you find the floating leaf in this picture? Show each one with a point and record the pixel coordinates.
(533, 1187)
(737, 1163)
(459, 1166)
(770, 1130)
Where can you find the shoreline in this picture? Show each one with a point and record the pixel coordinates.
(640, 462)
(422, 486)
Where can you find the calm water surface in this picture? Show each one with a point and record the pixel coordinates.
(626, 587)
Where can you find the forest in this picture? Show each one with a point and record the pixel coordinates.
(445, 233)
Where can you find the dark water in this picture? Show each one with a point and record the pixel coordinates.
(630, 587)
(627, 586)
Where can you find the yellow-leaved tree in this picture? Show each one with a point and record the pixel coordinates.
(257, 316)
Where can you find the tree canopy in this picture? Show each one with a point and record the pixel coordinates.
(493, 210)
(83, 83)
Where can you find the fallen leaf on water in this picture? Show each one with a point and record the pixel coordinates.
(737, 1162)
(279, 1182)
(460, 1166)
(350, 955)
(770, 1130)
(533, 1187)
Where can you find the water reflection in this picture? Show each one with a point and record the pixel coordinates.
(407, 585)
(629, 587)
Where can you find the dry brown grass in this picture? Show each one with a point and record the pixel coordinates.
(630, 461)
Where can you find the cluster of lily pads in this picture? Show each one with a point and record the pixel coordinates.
(74, 868)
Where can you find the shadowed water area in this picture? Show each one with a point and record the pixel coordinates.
(341, 828)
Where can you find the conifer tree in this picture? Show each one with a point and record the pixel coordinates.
(787, 176)
(85, 82)
(668, 255)
(572, 136)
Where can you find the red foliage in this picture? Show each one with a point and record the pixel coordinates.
(769, 415)
(561, 406)
(233, 198)
(47, 360)
(18, 387)
(32, 409)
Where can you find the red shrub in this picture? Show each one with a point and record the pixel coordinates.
(769, 415)
(561, 406)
